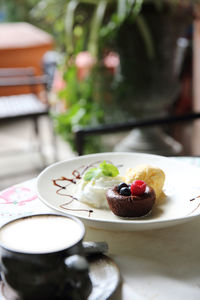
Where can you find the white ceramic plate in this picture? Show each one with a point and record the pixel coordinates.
(181, 185)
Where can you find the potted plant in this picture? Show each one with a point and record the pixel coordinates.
(140, 36)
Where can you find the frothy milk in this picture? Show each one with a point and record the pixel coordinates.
(40, 234)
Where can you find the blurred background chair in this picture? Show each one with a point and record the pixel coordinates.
(30, 105)
(25, 80)
(28, 143)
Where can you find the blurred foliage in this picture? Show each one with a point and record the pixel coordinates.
(88, 28)
(98, 20)
(86, 25)
(18, 10)
(81, 109)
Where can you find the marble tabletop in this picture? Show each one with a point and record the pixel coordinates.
(159, 264)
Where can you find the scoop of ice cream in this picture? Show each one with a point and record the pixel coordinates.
(153, 176)
(94, 191)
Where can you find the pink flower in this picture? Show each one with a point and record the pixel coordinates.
(58, 82)
(84, 62)
(111, 61)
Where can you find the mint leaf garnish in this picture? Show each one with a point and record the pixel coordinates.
(109, 169)
(104, 169)
(91, 173)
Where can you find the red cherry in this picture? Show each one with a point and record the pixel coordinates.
(138, 187)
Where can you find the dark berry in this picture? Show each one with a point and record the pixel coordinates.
(138, 187)
(125, 191)
(121, 185)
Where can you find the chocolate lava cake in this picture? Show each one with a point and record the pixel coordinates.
(131, 201)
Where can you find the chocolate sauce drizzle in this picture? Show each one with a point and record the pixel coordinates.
(76, 176)
(197, 205)
(195, 198)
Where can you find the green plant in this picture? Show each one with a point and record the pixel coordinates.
(18, 10)
(89, 30)
(81, 109)
(100, 21)
(93, 26)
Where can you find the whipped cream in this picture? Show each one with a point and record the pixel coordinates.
(93, 192)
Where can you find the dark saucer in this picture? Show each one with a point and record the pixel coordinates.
(104, 274)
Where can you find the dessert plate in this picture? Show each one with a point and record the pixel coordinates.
(182, 184)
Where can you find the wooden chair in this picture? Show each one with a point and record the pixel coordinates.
(27, 105)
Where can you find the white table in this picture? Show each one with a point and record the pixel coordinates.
(158, 264)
